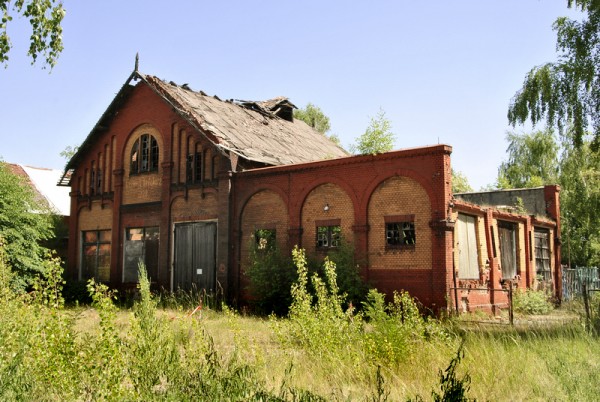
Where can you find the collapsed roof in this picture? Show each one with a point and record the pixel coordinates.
(259, 131)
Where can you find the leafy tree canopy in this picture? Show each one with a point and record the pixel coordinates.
(314, 117)
(460, 183)
(566, 92)
(532, 160)
(378, 137)
(45, 18)
(23, 224)
(580, 204)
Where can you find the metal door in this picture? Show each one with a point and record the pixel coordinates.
(194, 267)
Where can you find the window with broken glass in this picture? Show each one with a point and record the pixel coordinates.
(542, 254)
(265, 239)
(328, 236)
(141, 245)
(194, 168)
(95, 259)
(400, 231)
(144, 155)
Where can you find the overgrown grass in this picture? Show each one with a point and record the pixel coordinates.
(320, 352)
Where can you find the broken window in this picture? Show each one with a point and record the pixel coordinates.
(542, 254)
(95, 259)
(466, 246)
(400, 231)
(194, 168)
(507, 234)
(141, 245)
(265, 239)
(144, 155)
(328, 236)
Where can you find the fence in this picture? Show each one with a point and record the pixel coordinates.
(575, 279)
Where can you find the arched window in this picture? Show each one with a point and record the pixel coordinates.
(144, 155)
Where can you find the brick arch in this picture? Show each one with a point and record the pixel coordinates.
(134, 134)
(264, 209)
(263, 187)
(145, 186)
(379, 179)
(342, 208)
(296, 207)
(401, 199)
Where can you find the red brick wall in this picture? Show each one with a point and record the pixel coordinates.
(340, 207)
(418, 178)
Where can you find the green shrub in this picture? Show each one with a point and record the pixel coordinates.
(349, 280)
(531, 302)
(397, 328)
(270, 275)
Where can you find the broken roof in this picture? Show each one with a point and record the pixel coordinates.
(252, 130)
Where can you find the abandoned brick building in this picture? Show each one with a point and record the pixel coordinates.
(183, 181)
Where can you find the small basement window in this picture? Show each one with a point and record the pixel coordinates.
(400, 231)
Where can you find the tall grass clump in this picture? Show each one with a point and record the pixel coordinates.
(396, 329)
(38, 353)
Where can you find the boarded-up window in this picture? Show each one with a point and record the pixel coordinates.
(507, 233)
(542, 254)
(141, 245)
(95, 259)
(466, 244)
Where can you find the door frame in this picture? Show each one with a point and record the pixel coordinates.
(172, 246)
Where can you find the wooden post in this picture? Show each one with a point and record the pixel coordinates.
(586, 303)
(510, 304)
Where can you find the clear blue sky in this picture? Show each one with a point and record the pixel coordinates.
(443, 71)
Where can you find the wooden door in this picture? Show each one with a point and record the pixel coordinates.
(508, 249)
(466, 243)
(195, 256)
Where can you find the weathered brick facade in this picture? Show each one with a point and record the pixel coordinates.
(155, 181)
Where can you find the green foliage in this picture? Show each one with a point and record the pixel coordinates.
(531, 302)
(69, 152)
(22, 226)
(532, 160)
(45, 18)
(452, 387)
(397, 328)
(348, 278)
(566, 91)
(314, 117)
(319, 326)
(460, 183)
(270, 275)
(377, 138)
(580, 205)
